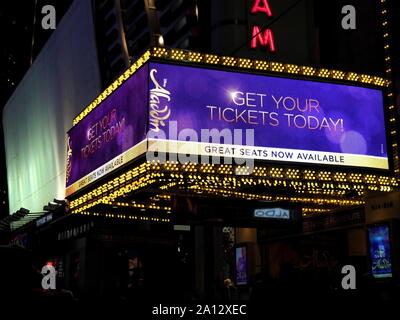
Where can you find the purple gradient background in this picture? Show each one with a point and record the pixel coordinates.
(192, 89)
(130, 100)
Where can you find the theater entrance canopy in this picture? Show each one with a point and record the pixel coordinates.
(186, 123)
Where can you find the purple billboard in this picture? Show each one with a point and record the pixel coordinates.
(291, 120)
(110, 135)
(208, 112)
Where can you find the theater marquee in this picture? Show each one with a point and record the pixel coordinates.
(293, 120)
(290, 120)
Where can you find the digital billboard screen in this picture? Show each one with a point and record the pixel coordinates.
(291, 120)
(380, 251)
(215, 113)
(110, 135)
(241, 265)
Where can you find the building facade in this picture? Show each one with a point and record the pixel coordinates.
(191, 225)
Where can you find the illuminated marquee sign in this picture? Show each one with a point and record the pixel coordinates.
(110, 136)
(260, 37)
(291, 120)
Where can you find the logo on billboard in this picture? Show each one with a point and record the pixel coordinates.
(272, 213)
(69, 160)
(158, 95)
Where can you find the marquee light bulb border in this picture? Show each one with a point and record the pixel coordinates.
(311, 187)
(241, 63)
(210, 178)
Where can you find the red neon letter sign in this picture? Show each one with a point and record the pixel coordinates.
(263, 8)
(265, 39)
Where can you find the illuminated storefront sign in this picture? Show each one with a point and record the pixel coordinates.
(293, 120)
(272, 213)
(290, 120)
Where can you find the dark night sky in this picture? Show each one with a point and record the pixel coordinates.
(16, 25)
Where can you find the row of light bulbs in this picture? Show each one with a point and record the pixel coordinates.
(385, 183)
(182, 55)
(123, 216)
